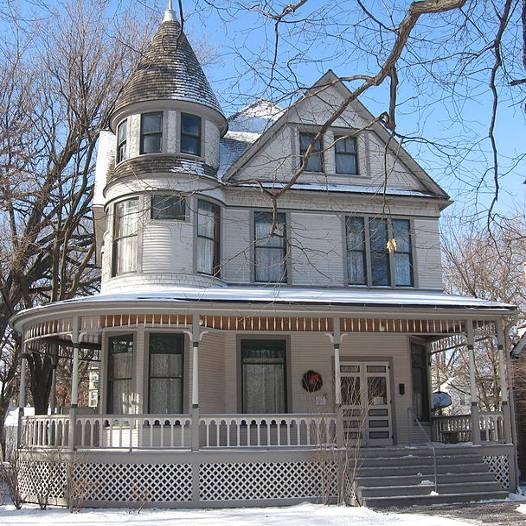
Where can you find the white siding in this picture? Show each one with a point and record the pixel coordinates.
(212, 361)
(427, 248)
(236, 245)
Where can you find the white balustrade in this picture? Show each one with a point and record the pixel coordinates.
(457, 428)
(492, 427)
(266, 430)
(44, 431)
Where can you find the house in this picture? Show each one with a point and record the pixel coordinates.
(248, 353)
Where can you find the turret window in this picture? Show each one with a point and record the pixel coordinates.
(121, 141)
(190, 134)
(151, 132)
(168, 206)
(125, 228)
(208, 238)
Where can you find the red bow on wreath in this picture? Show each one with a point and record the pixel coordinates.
(311, 381)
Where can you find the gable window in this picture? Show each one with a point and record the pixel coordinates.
(125, 226)
(314, 161)
(270, 248)
(356, 256)
(166, 373)
(190, 134)
(263, 372)
(168, 206)
(151, 132)
(346, 155)
(208, 238)
(120, 368)
(402, 256)
(121, 141)
(380, 265)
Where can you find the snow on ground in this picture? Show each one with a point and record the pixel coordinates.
(301, 515)
(521, 508)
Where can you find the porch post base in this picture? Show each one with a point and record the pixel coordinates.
(73, 411)
(475, 423)
(506, 422)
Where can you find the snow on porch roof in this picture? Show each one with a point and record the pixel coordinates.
(293, 295)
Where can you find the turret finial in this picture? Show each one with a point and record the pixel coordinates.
(169, 15)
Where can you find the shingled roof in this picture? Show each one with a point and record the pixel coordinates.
(170, 70)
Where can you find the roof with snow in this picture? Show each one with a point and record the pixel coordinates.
(168, 69)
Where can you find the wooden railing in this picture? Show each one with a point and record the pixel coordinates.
(267, 430)
(457, 428)
(175, 431)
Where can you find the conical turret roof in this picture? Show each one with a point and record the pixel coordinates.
(169, 70)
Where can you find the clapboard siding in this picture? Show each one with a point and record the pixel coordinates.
(427, 248)
(237, 246)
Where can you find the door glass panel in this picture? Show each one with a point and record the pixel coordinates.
(350, 368)
(376, 368)
(379, 423)
(377, 389)
(351, 390)
(379, 434)
(378, 412)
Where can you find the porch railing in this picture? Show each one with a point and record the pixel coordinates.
(175, 431)
(457, 428)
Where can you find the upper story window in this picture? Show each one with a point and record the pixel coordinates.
(190, 134)
(369, 261)
(122, 131)
(151, 132)
(270, 247)
(168, 206)
(314, 161)
(346, 155)
(208, 224)
(125, 227)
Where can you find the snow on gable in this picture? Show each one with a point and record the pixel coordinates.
(256, 118)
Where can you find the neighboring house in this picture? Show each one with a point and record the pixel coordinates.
(244, 351)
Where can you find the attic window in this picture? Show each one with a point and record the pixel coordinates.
(151, 132)
(190, 134)
(346, 155)
(314, 161)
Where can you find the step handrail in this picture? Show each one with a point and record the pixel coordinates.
(430, 442)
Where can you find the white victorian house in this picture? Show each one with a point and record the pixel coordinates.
(244, 353)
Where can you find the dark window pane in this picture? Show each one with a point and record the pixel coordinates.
(401, 234)
(151, 122)
(168, 207)
(208, 247)
(121, 141)
(356, 251)
(122, 131)
(151, 144)
(345, 145)
(402, 255)
(314, 162)
(355, 233)
(191, 145)
(120, 367)
(191, 124)
(346, 158)
(379, 254)
(403, 270)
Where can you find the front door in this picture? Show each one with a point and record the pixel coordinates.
(366, 403)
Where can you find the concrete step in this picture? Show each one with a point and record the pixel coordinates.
(425, 469)
(407, 480)
(415, 451)
(413, 460)
(425, 500)
(425, 489)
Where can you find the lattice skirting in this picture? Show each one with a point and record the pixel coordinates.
(499, 465)
(122, 483)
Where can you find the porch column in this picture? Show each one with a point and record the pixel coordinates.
(73, 409)
(21, 395)
(336, 341)
(475, 415)
(503, 376)
(53, 394)
(196, 336)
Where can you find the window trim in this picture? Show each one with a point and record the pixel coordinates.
(181, 134)
(285, 248)
(412, 253)
(115, 240)
(313, 134)
(142, 134)
(217, 239)
(339, 136)
(123, 142)
(168, 194)
(149, 374)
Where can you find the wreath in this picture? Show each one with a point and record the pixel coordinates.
(311, 381)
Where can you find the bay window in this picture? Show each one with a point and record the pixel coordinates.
(270, 248)
(166, 373)
(208, 224)
(125, 227)
(263, 367)
(190, 134)
(151, 132)
(314, 161)
(120, 373)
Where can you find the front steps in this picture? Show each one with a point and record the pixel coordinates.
(405, 477)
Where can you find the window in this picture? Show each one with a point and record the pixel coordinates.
(121, 141)
(166, 373)
(346, 155)
(314, 162)
(263, 376)
(356, 257)
(270, 256)
(402, 255)
(380, 266)
(151, 132)
(207, 238)
(190, 134)
(125, 227)
(168, 206)
(120, 363)
(419, 373)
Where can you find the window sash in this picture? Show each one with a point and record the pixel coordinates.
(168, 206)
(188, 133)
(403, 257)
(270, 250)
(208, 238)
(120, 356)
(346, 151)
(125, 235)
(155, 134)
(121, 141)
(380, 257)
(356, 253)
(315, 160)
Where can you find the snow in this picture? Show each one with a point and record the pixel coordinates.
(11, 419)
(255, 118)
(522, 508)
(300, 515)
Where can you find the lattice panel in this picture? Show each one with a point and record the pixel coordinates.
(267, 480)
(42, 478)
(499, 465)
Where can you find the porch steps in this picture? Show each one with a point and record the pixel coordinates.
(395, 477)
